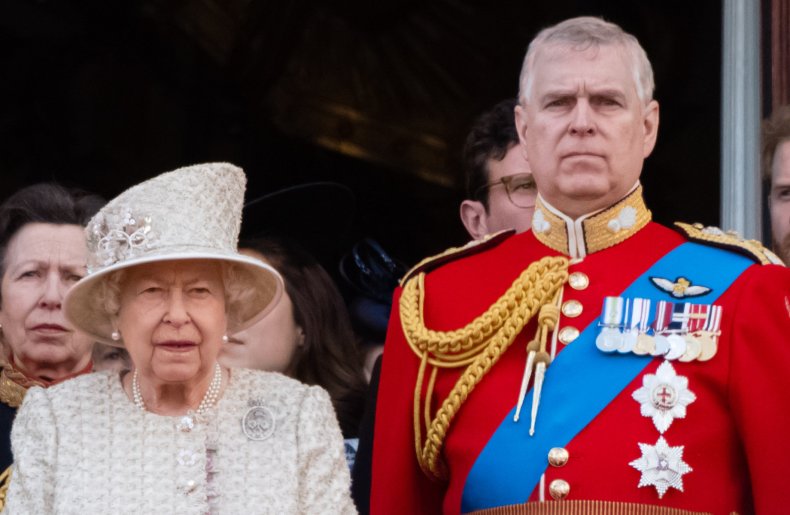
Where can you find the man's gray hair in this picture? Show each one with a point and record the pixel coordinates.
(581, 34)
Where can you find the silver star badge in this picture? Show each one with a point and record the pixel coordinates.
(661, 466)
(664, 396)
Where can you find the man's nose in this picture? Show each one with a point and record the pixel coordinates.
(581, 119)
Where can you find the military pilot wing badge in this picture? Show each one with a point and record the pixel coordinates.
(680, 288)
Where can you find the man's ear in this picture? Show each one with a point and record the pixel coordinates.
(651, 127)
(521, 124)
(474, 218)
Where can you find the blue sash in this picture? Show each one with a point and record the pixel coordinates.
(580, 383)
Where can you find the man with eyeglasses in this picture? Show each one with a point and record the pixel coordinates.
(600, 362)
(499, 185)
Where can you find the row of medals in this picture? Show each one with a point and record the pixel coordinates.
(672, 344)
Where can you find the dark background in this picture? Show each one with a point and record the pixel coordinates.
(375, 95)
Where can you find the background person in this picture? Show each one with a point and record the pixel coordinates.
(307, 336)
(42, 253)
(181, 433)
(776, 168)
(108, 357)
(500, 189)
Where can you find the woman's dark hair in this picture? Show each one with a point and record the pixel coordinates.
(47, 203)
(330, 356)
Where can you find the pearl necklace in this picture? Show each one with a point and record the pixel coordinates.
(208, 400)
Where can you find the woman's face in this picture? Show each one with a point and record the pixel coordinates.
(172, 319)
(42, 262)
(269, 344)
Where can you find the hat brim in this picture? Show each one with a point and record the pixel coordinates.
(265, 285)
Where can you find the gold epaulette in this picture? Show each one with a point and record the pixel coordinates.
(729, 240)
(453, 253)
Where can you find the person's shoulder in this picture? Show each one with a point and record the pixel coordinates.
(472, 248)
(729, 241)
(95, 381)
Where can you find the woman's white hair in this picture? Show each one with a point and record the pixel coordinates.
(581, 34)
(234, 279)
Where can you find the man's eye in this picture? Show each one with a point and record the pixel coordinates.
(29, 273)
(560, 102)
(605, 101)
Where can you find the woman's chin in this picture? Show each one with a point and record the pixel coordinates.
(176, 372)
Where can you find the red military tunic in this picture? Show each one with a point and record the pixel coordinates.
(734, 436)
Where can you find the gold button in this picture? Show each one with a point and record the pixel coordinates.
(572, 308)
(568, 334)
(578, 280)
(559, 489)
(558, 457)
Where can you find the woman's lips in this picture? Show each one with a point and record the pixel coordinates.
(177, 346)
(49, 329)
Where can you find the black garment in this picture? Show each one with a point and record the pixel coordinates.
(363, 465)
(7, 414)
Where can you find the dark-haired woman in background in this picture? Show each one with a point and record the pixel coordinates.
(307, 336)
(42, 253)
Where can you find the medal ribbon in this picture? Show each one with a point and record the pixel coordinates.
(580, 383)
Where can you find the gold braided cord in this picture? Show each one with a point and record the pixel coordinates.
(5, 481)
(478, 345)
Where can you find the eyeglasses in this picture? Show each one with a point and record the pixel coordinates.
(520, 189)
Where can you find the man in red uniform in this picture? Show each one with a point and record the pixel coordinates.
(600, 363)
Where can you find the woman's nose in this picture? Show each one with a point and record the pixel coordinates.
(176, 313)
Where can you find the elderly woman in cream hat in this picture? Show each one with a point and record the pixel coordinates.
(180, 433)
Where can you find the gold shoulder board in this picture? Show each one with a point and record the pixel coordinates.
(729, 240)
(453, 253)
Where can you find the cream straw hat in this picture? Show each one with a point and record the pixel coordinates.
(190, 213)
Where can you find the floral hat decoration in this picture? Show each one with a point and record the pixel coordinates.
(190, 213)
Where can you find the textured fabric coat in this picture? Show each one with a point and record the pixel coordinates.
(84, 447)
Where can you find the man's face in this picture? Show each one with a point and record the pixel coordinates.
(502, 213)
(585, 128)
(780, 201)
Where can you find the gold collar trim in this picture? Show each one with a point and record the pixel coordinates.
(592, 232)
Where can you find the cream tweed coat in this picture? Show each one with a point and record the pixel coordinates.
(84, 447)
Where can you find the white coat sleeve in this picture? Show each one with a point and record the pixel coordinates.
(324, 477)
(34, 447)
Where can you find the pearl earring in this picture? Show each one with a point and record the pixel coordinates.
(225, 338)
(116, 336)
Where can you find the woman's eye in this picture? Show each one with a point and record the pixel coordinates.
(29, 273)
(201, 290)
